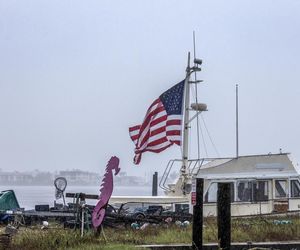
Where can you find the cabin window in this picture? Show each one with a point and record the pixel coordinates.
(252, 191)
(295, 188)
(280, 188)
(211, 194)
(244, 189)
(260, 191)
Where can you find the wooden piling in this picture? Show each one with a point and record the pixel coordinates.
(224, 216)
(198, 216)
(154, 184)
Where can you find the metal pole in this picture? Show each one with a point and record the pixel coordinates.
(82, 204)
(198, 216)
(154, 184)
(186, 125)
(224, 216)
(237, 118)
(82, 220)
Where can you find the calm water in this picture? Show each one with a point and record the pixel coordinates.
(29, 196)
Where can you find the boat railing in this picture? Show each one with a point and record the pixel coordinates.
(162, 184)
(193, 169)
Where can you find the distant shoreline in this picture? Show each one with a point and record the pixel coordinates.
(72, 185)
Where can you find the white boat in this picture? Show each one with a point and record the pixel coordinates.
(260, 184)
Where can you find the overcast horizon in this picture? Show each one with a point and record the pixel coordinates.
(75, 75)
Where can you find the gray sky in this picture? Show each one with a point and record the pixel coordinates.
(74, 75)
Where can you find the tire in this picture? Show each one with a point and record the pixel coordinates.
(139, 216)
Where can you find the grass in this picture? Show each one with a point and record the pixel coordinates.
(266, 230)
(243, 230)
(31, 239)
(105, 247)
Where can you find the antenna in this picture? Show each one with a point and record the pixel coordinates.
(237, 118)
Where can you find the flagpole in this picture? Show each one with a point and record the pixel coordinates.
(237, 118)
(185, 150)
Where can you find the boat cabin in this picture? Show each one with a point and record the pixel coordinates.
(260, 184)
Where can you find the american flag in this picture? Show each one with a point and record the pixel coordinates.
(161, 127)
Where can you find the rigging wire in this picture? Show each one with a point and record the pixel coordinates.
(204, 144)
(198, 123)
(214, 146)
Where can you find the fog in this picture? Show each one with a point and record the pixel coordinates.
(74, 75)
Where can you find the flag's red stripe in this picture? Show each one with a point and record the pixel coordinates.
(155, 132)
(157, 142)
(177, 142)
(158, 150)
(173, 132)
(158, 131)
(146, 125)
(145, 139)
(153, 104)
(174, 122)
(158, 120)
(150, 110)
(137, 127)
(149, 117)
(134, 137)
(152, 133)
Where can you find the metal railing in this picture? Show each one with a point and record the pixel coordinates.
(193, 168)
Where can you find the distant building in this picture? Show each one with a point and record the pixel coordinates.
(15, 178)
(42, 178)
(74, 177)
(79, 177)
(127, 180)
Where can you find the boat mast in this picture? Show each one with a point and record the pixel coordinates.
(185, 145)
(198, 108)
